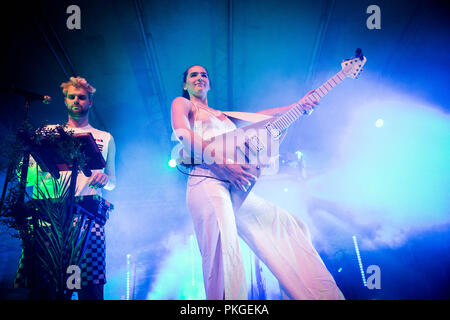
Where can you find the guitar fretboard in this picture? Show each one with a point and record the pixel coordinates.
(289, 117)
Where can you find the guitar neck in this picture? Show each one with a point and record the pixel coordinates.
(289, 117)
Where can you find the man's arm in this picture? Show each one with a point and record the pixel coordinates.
(106, 180)
(110, 169)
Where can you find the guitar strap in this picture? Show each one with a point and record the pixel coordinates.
(247, 116)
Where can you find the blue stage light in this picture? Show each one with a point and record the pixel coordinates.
(128, 277)
(172, 163)
(361, 268)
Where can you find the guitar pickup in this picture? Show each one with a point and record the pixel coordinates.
(254, 144)
(273, 132)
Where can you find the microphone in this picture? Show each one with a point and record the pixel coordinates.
(31, 95)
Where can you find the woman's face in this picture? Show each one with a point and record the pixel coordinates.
(197, 81)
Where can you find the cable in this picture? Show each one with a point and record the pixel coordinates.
(198, 175)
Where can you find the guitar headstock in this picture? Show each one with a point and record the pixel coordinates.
(353, 67)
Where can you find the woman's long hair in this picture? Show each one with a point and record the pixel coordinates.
(185, 93)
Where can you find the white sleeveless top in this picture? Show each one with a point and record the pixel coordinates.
(207, 123)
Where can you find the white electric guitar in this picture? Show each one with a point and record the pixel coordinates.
(257, 144)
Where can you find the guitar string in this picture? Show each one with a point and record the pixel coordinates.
(227, 181)
(289, 122)
(275, 123)
(205, 176)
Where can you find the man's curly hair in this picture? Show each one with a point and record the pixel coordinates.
(78, 82)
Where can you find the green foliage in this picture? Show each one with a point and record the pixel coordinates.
(56, 235)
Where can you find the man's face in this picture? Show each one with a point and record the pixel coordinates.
(77, 102)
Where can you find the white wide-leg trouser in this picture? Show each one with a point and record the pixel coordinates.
(279, 239)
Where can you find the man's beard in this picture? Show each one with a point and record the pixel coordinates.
(78, 114)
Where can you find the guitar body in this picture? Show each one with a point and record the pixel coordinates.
(238, 196)
(253, 145)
